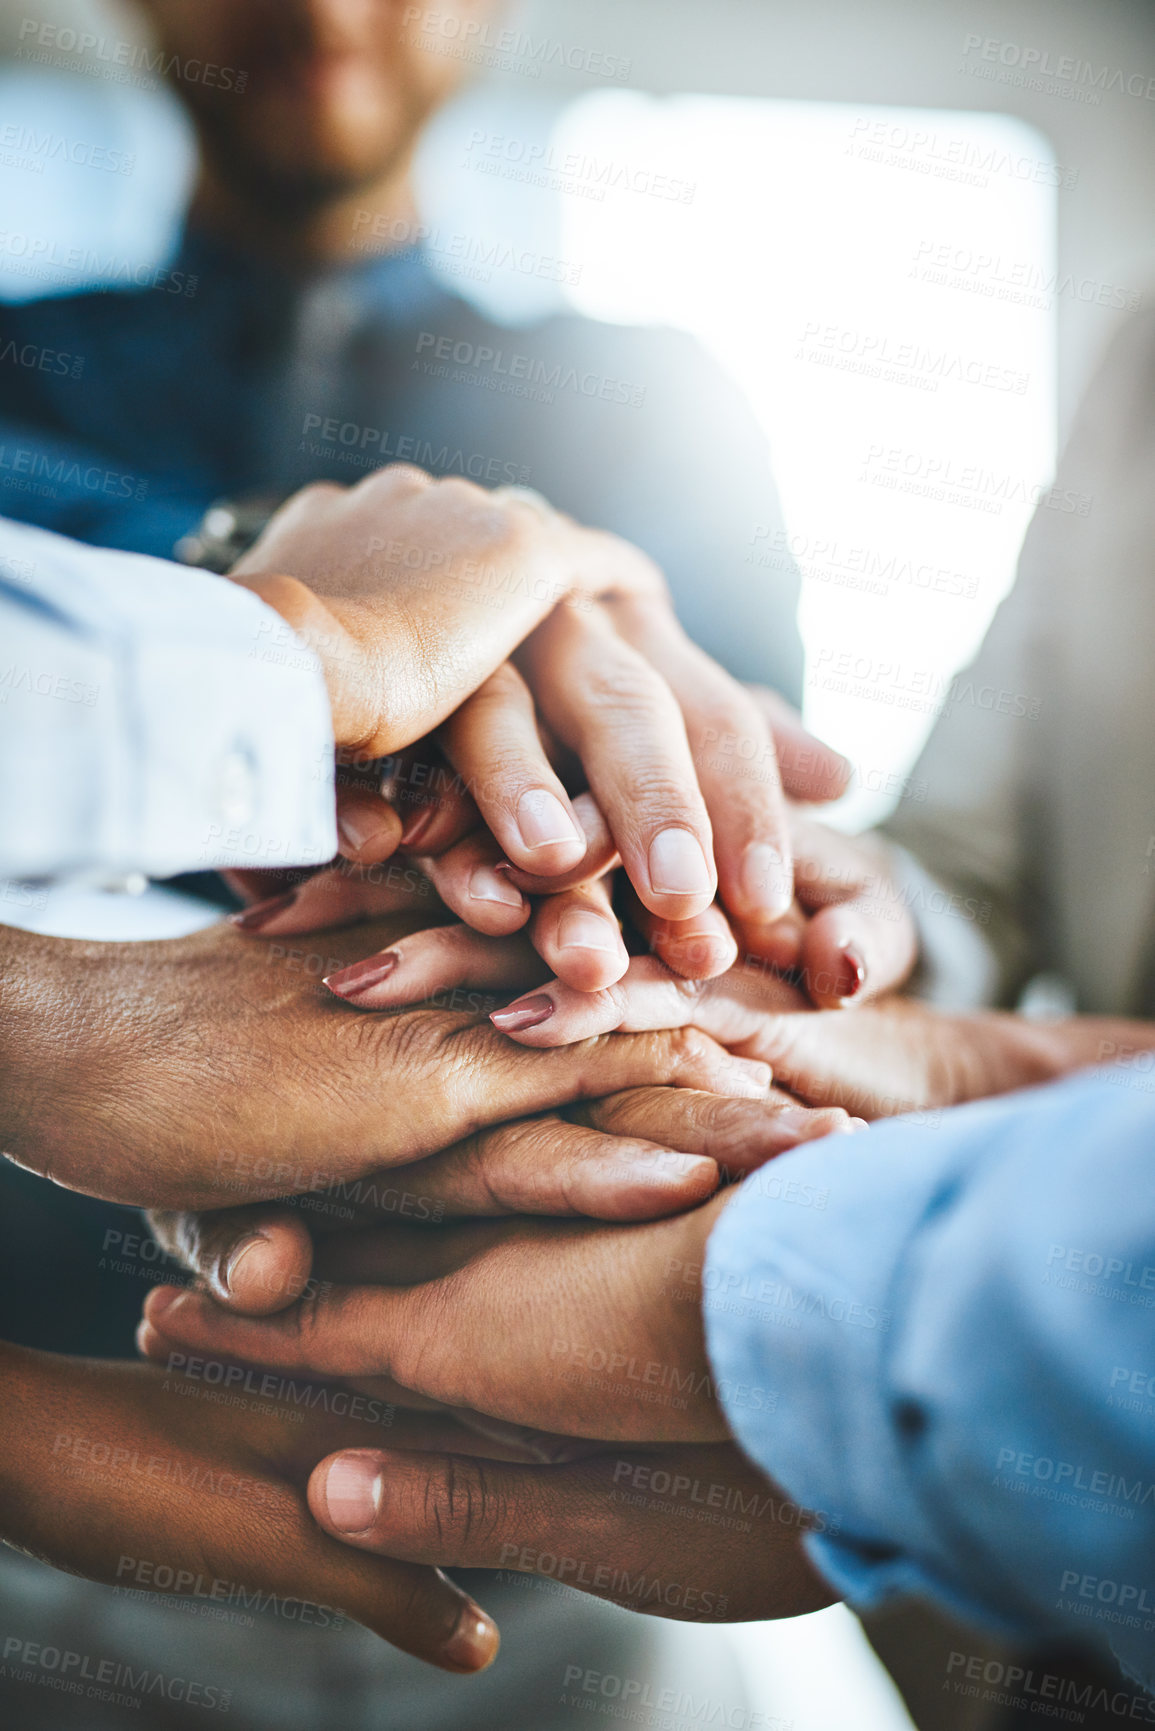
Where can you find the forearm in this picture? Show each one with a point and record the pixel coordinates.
(1010, 1051)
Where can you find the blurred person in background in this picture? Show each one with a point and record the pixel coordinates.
(319, 343)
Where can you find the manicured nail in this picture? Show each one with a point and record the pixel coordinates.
(417, 825)
(360, 826)
(486, 886)
(252, 919)
(352, 981)
(767, 881)
(474, 1642)
(242, 1248)
(678, 867)
(529, 1013)
(850, 973)
(579, 929)
(854, 1125)
(543, 821)
(352, 1491)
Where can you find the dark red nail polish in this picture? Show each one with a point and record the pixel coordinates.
(252, 919)
(851, 973)
(529, 1013)
(352, 981)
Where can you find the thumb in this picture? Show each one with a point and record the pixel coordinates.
(254, 1260)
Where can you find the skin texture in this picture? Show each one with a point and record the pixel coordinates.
(216, 1069)
(884, 1059)
(595, 1524)
(103, 1462)
(612, 1345)
(611, 1159)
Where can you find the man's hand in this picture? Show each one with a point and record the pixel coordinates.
(216, 1069)
(582, 1329)
(123, 1475)
(619, 1526)
(610, 1159)
(414, 591)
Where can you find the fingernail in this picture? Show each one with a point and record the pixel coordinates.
(756, 1076)
(357, 828)
(767, 880)
(579, 929)
(850, 973)
(161, 1300)
(416, 826)
(474, 1641)
(352, 981)
(252, 919)
(663, 1166)
(543, 821)
(857, 1124)
(352, 1492)
(678, 867)
(486, 886)
(797, 1120)
(529, 1013)
(242, 1248)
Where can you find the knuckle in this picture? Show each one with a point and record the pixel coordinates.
(399, 477)
(686, 1048)
(471, 1514)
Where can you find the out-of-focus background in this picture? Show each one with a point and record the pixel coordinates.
(898, 228)
(905, 229)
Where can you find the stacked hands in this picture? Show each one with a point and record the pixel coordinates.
(545, 793)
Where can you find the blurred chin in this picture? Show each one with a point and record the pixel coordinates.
(294, 147)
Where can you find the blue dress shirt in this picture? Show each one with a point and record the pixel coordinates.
(955, 1322)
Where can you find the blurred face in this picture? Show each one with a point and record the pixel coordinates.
(337, 90)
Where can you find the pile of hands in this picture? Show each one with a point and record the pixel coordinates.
(443, 1128)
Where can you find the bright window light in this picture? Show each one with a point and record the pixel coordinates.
(881, 282)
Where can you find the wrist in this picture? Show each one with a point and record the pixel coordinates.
(1003, 1051)
(30, 1036)
(316, 625)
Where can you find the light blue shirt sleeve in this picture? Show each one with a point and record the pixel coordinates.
(955, 1318)
(152, 720)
